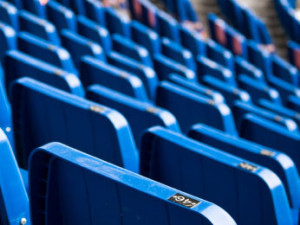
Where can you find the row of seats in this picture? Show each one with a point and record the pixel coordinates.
(216, 118)
(286, 11)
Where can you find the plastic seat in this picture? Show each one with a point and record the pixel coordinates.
(45, 51)
(192, 41)
(9, 14)
(94, 32)
(79, 46)
(167, 26)
(258, 90)
(131, 49)
(206, 66)
(94, 71)
(77, 6)
(38, 26)
(283, 70)
(190, 108)
(234, 183)
(165, 66)
(177, 53)
(7, 39)
(214, 95)
(61, 16)
(242, 66)
(17, 3)
(294, 103)
(5, 118)
(219, 54)
(93, 128)
(284, 88)
(227, 36)
(230, 93)
(95, 12)
(82, 176)
(269, 158)
(260, 58)
(147, 75)
(261, 131)
(14, 204)
(117, 24)
(140, 115)
(35, 7)
(282, 110)
(240, 109)
(146, 13)
(146, 37)
(18, 64)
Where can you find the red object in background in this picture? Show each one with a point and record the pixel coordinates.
(297, 58)
(237, 45)
(152, 18)
(220, 34)
(44, 2)
(137, 9)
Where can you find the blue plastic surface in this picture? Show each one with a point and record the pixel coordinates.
(237, 185)
(91, 127)
(102, 191)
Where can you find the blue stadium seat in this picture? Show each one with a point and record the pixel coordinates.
(5, 118)
(71, 180)
(9, 14)
(177, 53)
(35, 7)
(140, 115)
(200, 109)
(17, 3)
(167, 26)
(14, 202)
(146, 13)
(77, 6)
(93, 128)
(165, 66)
(131, 49)
(7, 39)
(79, 46)
(269, 158)
(294, 103)
(230, 93)
(18, 64)
(117, 24)
(258, 90)
(146, 37)
(44, 50)
(61, 16)
(95, 12)
(261, 131)
(260, 58)
(242, 66)
(196, 87)
(280, 109)
(206, 66)
(284, 88)
(192, 41)
(39, 27)
(94, 32)
(234, 183)
(146, 74)
(227, 36)
(240, 109)
(94, 71)
(219, 54)
(285, 71)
